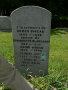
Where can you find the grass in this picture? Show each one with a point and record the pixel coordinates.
(6, 46)
(58, 60)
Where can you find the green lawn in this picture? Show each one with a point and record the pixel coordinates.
(58, 60)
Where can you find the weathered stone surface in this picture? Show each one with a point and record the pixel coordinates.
(10, 77)
(31, 36)
(5, 23)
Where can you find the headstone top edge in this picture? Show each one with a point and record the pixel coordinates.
(4, 16)
(32, 7)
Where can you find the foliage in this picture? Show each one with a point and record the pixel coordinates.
(7, 6)
(58, 9)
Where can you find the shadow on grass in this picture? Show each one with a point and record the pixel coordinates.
(5, 30)
(56, 32)
(6, 89)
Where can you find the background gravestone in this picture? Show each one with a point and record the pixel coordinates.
(31, 36)
(5, 23)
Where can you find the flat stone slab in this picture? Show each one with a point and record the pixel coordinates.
(61, 28)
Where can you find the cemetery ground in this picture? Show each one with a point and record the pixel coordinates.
(58, 60)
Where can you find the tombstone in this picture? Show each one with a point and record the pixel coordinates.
(31, 37)
(5, 23)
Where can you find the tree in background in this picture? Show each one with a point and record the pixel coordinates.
(7, 6)
(57, 7)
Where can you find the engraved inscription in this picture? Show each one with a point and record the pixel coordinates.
(31, 44)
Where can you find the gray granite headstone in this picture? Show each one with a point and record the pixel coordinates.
(31, 36)
(5, 23)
